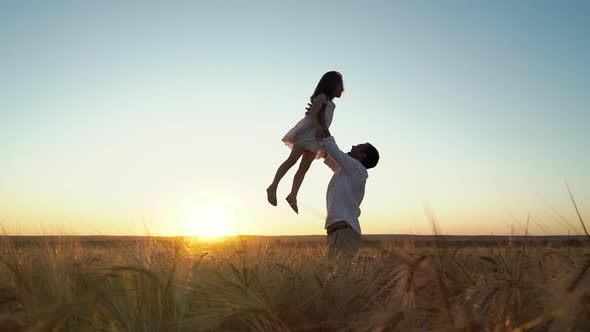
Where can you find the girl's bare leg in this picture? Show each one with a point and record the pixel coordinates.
(271, 191)
(306, 161)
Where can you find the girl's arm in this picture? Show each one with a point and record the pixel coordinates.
(321, 117)
(317, 110)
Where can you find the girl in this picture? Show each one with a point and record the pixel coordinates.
(304, 138)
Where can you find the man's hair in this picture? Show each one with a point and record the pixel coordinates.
(371, 156)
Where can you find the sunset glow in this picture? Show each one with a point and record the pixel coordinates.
(209, 221)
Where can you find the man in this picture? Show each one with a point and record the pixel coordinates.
(345, 194)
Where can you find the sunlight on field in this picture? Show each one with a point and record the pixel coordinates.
(209, 222)
(289, 284)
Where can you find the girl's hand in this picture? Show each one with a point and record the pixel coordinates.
(319, 134)
(323, 133)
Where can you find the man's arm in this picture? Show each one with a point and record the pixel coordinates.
(348, 164)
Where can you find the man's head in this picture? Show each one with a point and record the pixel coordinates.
(366, 154)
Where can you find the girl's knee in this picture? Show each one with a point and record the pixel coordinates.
(291, 161)
(304, 168)
(306, 163)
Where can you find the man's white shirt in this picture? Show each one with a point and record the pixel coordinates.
(346, 188)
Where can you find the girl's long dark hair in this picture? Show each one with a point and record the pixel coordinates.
(328, 85)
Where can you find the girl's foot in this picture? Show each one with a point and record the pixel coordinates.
(293, 203)
(271, 196)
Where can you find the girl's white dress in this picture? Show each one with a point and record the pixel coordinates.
(304, 133)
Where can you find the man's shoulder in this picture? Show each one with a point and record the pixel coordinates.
(357, 170)
(361, 169)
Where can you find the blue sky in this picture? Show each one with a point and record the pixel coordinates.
(118, 115)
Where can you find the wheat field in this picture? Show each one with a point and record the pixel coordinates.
(270, 284)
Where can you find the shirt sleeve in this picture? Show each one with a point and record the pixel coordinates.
(330, 162)
(347, 164)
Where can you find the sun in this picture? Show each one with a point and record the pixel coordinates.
(209, 221)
